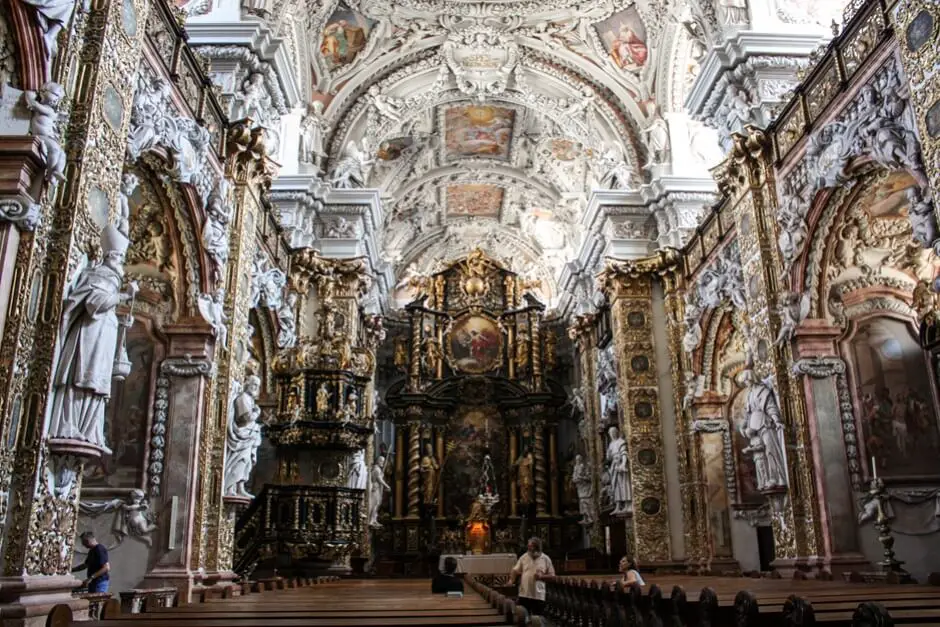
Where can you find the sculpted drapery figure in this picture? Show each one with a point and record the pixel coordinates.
(82, 382)
(358, 472)
(242, 438)
(617, 464)
(429, 472)
(763, 428)
(524, 468)
(51, 17)
(287, 334)
(312, 129)
(584, 484)
(377, 488)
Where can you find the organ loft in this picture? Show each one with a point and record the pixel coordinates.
(354, 288)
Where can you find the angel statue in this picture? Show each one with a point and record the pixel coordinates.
(387, 106)
(793, 310)
(42, 125)
(212, 309)
(353, 168)
(132, 516)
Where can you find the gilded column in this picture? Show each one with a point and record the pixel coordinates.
(629, 287)
(541, 493)
(747, 178)
(414, 468)
(440, 482)
(399, 470)
(582, 332)
(513, 455)
(553, 467)
(45, 490)
(250, 170)
(535, 348)
(414, 372)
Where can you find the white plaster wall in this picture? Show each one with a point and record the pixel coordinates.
(670, 450)
(744, 544)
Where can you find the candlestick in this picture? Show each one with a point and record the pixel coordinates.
(874, 468)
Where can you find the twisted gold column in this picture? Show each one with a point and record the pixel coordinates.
(414, 469)
(513, 455)
(414, 369)
(399, 471)
(440, 475)
(541, 494)
(553, 466)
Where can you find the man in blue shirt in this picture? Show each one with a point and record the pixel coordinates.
(96, 564)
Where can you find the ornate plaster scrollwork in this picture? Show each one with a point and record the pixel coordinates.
(759, 517)
(267, 283)
(21, 211)
(482, 60)
(722, 281)
(174, 367)
(62, 474)
(878, 125)
(133, 516)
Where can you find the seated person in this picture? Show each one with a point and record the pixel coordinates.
(630, 573)
(447, 581)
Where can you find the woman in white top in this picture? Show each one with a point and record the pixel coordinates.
(630, 573)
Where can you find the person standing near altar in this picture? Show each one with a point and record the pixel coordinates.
(533, 569)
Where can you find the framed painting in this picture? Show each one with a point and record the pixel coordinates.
(474, 200)
(478, 131)
(345, 35)
(623, 37)
(474, 344)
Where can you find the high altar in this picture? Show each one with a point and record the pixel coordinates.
(474, 463)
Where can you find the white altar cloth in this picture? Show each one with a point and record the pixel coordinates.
(492, 564)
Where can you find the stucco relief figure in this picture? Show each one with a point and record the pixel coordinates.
(793, 310)
(429, 472)
(215, 230)
(922, 217)
(42, 125)
(132, 515)
(287, 334)
(401, 353)
(323, 399)
(358, 471)
(254, 98)
(212, 309)
(584, 484)
(433, 355)
(733, 11)
(525, 477)
(617, 465)
(657, 137)
(352, 171)
(82, 381)
(242, 438)
(387, 106)
(377, 488)
(764, 430)
(51, 17)
(615, 173)
(312, 131)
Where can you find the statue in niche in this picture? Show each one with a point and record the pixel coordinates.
(132, 515)
(657, 137)
(242, 438)
(763, 428)
(287, 334)
(377, 488)
(433, 354)
(525, 477)
(401, 353)
(618, 469)
(358, 472)
(584, 484)
(82, 379)
(551, 350)
(312, 131)
(430, 469)
(351, 408)
(522, 352)
(570, 494)
(42, 125)
(323, 399)
(353, 168)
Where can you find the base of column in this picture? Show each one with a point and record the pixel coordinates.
(846, 563)
(724, 566)
(185, 582)
(26, 601)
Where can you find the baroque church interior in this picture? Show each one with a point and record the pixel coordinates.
(348, 286)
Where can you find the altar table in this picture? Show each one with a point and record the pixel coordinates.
(492, 564)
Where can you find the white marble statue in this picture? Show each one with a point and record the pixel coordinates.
(212, 309)
(51, 17)
(287, 334)
(132, 515)
(615, 173)
(763, 428)
(352, 171)
(922, 217)
(42, 125)
(242, 438)
(82, 378)
(254, 98)
(267, 283)
(657, 137)
(617, 467)
(358, 472)
(584, 485)
(215, 230)
(387, 106)
(341, 228)
(577, 403)
(377, 488)
(793, 310)
(733, 12)
(312, 131)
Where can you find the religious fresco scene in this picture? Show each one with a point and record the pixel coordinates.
(309, 311)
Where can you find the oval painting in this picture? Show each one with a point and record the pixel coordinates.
(474, 344)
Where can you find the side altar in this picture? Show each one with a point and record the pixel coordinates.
(476, 417)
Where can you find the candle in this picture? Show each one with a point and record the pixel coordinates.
(874, 468)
